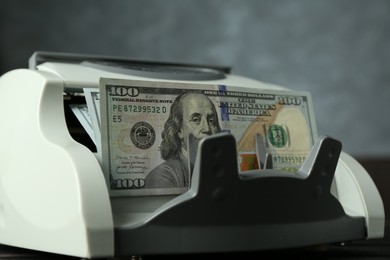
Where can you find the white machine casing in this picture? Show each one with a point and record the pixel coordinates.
(53, 194)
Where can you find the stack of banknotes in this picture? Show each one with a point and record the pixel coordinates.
(141, 129)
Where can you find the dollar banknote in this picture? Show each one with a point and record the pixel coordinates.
(81, 112)
(92, 99)
(145, 127)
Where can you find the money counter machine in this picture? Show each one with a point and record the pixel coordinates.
(54, 197)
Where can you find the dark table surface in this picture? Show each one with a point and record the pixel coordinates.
(379, 170)
(368, 249)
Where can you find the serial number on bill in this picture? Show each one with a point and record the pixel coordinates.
(139, 109)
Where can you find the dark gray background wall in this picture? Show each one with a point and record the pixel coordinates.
(339, 50)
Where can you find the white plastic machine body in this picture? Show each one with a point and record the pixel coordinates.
(54, 198)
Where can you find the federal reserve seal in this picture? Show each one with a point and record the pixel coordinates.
(277, 136)
(142, 135)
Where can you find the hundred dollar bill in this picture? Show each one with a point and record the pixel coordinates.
(92, 98)
(145, 128)
(82, 114)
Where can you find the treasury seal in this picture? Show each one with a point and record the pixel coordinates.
(277, 135)
(142, 135)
